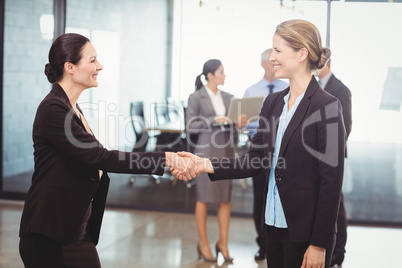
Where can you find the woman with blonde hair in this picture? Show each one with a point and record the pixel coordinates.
(300, 145)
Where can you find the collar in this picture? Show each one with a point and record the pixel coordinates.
(58, 90)
(211, 93)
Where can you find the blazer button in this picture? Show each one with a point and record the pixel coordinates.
(278, 177)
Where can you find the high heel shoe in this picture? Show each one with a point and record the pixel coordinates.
(202, 256)
(217, 248)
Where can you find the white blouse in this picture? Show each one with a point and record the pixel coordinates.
(217, 102)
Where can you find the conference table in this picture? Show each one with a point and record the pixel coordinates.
(169, 136)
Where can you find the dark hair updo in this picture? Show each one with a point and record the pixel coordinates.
(66, 48)
(210, 66)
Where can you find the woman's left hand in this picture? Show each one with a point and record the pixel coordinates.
(314, 257)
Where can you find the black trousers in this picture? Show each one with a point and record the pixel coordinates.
(258, 191)
(339, 250)
(283, 253)
(38, 251)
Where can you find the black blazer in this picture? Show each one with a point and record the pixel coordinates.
(309, 172)
(337, 89)
(66, 177)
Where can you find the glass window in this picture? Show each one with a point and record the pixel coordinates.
(28, 34)
(131, 41)
(366, 57)
(236, 32)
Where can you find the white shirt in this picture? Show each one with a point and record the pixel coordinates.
(217, 102)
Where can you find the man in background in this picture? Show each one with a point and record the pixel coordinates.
(336, 88)
(267, 85)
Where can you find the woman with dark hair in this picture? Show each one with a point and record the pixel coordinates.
(300, 145)
(64, 206)
(211, 66)
(206, 117)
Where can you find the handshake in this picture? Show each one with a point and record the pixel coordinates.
(186, 166)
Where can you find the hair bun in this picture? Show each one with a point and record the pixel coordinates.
(49, 72)
(325, 55)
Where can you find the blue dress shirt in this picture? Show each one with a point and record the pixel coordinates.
(274, 214)
(261, 89)
(324, 81)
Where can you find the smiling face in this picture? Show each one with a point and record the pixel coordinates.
(285, 59)
(87, 69)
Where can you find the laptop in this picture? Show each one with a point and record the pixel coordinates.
(250, 106)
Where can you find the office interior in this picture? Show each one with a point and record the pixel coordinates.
(152, 50)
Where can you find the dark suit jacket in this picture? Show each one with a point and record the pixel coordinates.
(66, 178)
(337, 89)
(309, 172)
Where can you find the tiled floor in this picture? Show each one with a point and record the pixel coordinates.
(132, 238)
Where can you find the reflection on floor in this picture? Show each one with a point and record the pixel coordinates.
(146, 239)
(372, 188)
(373, 183)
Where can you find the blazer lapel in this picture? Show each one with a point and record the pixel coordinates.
(298, 115)
(206, 100)
(81, 122)
(273, 121)
(226, 100)
(57, 89)
(276, 114)
(279, 106)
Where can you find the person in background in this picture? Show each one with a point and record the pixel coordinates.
(336, 88)
(300, 145)
(206, 116)
(266, 86)
(64, 207)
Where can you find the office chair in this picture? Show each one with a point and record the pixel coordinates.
(141, 134)
(138, 124)
(161, 111)
(167, 112)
